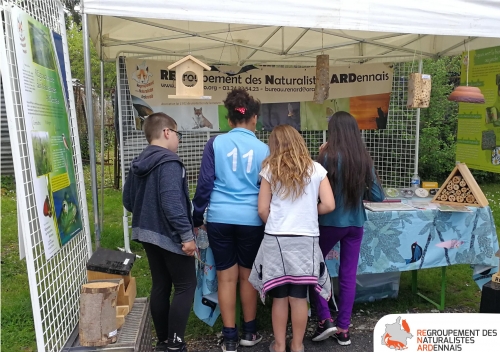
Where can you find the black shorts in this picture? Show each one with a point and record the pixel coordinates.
(234, 244)
(289, 290)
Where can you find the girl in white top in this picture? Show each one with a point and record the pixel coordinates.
(289, 259)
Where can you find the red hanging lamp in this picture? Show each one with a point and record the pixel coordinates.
(466, 94)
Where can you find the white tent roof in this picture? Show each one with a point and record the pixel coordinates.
(292, 32)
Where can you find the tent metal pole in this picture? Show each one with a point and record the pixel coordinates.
(101, 218)
(90, 125)
(102, 145)
(417, 132)
(126, 236)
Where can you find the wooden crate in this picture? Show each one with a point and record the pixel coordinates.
(460, 188)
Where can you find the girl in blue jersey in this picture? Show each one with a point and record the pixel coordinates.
(228, 185)
(353, 178)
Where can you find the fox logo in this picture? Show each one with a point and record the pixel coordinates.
(396, 335)
(141, 75)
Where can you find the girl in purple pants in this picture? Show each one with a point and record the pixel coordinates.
(353, 178)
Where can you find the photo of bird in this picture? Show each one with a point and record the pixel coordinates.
(416, 253)
(290, 110)
(143, 111)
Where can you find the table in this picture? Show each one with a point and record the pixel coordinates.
(439, 239)
(421, 239)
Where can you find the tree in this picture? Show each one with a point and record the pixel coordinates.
(75, 49)
(70, 5)
(438, 122)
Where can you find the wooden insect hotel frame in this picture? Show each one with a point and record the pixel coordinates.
(496, 277)
(460, 188)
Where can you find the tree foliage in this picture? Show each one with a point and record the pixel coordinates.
(438, 122)
(76, 58)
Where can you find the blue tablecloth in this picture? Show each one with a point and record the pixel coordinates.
(421, 239)
(394, 241)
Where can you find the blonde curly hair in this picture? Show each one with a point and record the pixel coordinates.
(289, 163)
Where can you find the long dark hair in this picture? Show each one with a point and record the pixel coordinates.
(345, 146)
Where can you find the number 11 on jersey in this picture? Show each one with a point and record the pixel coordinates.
(234, 153)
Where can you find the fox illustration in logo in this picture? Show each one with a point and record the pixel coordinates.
(141, 75)
(393, 344)
(200, 120)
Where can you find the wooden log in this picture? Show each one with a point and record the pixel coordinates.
(463, 183)
(456, 186)
(322, 88)
(419, 91)
(451, 198)
(456, 179)
(98, 325)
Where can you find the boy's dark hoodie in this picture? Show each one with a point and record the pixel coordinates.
(156, 193)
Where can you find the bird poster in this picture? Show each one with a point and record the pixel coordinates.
(46, 120)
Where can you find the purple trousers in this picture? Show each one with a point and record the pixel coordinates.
(350, 244)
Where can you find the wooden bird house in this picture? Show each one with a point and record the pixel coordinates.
(189, 78)
(460, 188)
(419, 91)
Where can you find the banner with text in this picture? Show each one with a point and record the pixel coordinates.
(285, 93)
(463, 332)
(478, 140)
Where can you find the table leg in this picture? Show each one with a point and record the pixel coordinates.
(414, 277)
(414, 288)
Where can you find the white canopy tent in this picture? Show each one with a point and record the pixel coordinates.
(292, 31)
(284, 32)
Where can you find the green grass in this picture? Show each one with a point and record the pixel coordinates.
(17, 330)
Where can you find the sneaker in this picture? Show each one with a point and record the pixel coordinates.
(161, 346)
(342, 338)
(249, 339)
(178, 348)
(228, 345)
(324, 330)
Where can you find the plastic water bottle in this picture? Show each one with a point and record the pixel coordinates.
(202, 239)
(415, 181)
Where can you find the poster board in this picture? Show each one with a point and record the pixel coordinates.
(285, 93)
(55, 279)
(47, 127)
(478, 139)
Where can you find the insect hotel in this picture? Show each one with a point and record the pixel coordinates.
(461, 188)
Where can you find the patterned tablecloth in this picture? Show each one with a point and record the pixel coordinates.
(422, 239)
(393, 241)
